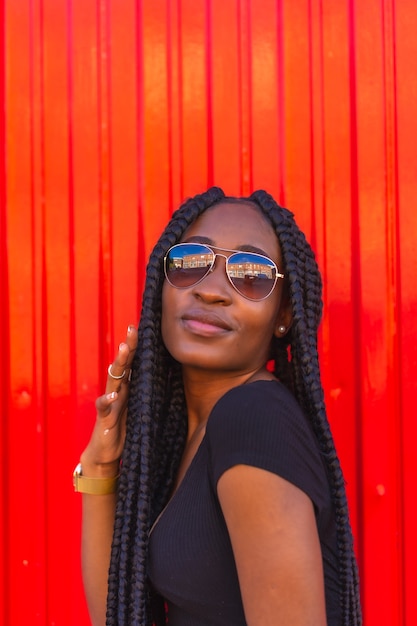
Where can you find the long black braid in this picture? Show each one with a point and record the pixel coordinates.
(157, 419)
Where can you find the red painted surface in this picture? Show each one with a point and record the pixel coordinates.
(116, 110)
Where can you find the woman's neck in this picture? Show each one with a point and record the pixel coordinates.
(203, 390)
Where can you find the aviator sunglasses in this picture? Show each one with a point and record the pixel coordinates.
(253, 275)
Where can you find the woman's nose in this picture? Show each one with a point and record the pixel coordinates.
(215, 286)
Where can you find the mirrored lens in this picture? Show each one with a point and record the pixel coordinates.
(253, 275)
(186, 264)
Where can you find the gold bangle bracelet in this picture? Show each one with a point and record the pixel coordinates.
(93, 486)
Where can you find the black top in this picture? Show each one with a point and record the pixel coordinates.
(191, 558)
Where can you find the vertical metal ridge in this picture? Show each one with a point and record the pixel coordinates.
(140, 259)
(312, 141)
(5, 595)
(281, 197)
(74, 401)
(40, 314)
(245, 86)
(72, 257)
(105, 187)
(209, 92)
(71, 203)
(356, 289)
(170, 102)
(317, 165)
(174, 101)
(393, 268)
(179, 93)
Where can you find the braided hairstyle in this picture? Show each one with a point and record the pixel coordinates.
(157, 418)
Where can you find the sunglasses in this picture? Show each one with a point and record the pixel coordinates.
(254, 276)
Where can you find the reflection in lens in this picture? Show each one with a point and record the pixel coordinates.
(187, 264)
(252, 275)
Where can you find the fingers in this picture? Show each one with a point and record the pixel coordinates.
(132, 339)
(104, 403)
(107, 439)
(119, 370)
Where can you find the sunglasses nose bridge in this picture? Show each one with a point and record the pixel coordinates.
(213, 265)
(223, 269)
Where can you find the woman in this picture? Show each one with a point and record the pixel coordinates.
(230, 505)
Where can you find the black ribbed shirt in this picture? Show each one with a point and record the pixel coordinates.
(191, 563)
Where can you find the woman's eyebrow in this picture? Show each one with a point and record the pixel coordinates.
(245, 247)
(198, 239)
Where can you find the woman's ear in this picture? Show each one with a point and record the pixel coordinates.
(282, 326)
(284, 318)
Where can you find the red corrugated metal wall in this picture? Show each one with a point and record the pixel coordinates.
(114, 111)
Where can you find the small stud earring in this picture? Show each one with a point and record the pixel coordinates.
(282, 329)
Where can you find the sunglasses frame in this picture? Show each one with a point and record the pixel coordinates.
(211, 267)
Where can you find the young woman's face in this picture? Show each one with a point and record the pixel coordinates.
(210, 326)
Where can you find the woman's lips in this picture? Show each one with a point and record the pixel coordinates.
(207, 324)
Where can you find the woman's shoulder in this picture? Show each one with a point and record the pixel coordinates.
(258, 400)
(261, 424)
(263, 414)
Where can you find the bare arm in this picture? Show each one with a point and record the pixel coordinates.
(276, 546)
(97, 532)
(101, 459)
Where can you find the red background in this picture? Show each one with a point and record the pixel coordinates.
(116, 110)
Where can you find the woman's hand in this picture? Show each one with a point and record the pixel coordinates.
(102, 454)
(101, 459)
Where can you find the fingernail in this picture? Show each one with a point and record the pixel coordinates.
(129, 329)
(112, 395)
(121, 345)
